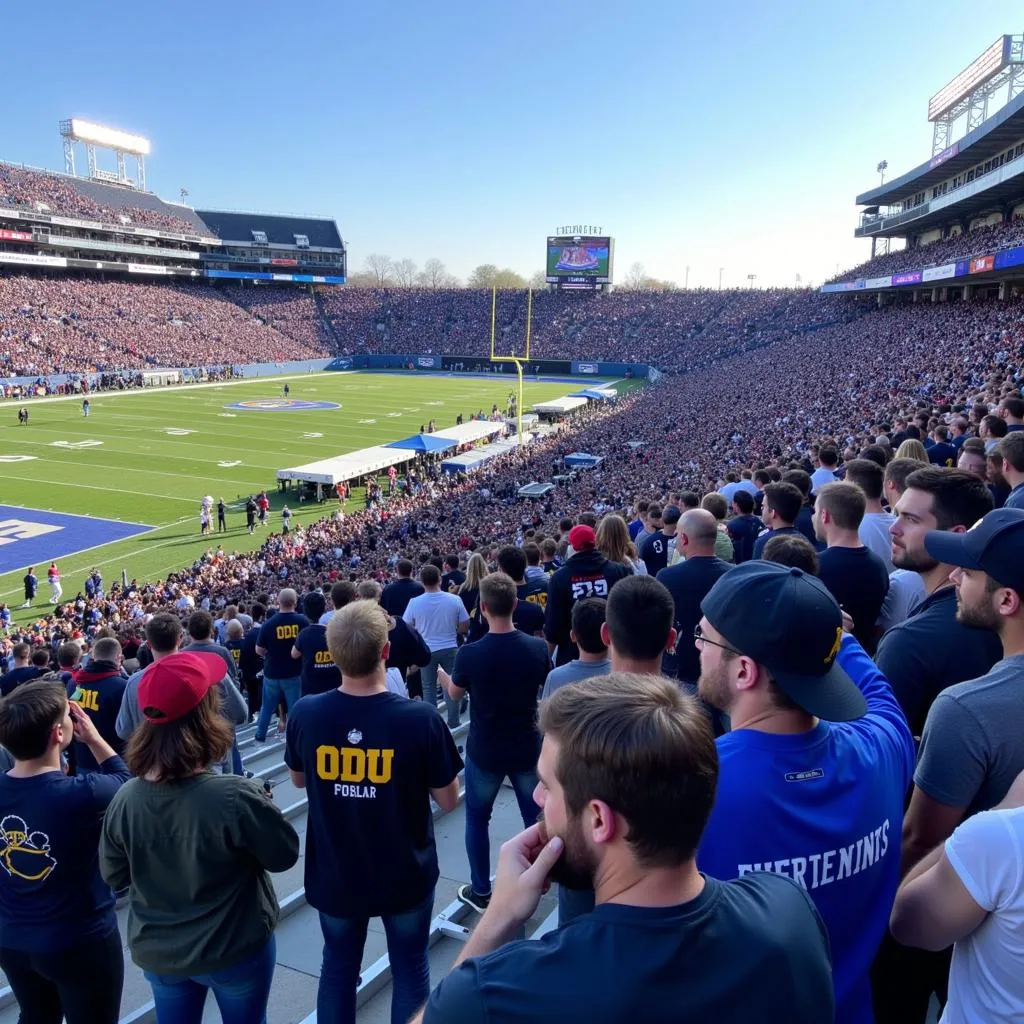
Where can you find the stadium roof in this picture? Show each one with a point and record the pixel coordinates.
(280, 229)
(988, 139)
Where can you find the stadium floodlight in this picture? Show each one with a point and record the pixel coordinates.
(112, 138)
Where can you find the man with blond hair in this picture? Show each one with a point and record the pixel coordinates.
(368, 760)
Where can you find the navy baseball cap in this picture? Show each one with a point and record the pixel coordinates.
(790, 623)
(994, 545)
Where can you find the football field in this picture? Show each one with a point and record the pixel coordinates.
(121, 489)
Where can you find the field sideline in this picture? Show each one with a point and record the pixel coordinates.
(154, 454)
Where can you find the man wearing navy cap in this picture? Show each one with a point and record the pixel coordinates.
(971, 749)
(816, 767)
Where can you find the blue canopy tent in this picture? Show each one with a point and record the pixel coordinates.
(581, 460)
(593, 395)
(424, 443)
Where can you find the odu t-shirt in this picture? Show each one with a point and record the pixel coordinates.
(369, 763)
(277, 637)
(319, 673)
(751, 951)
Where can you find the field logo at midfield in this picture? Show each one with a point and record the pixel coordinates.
(75, 444)
(281, 405)
(30, 536)
(17, 458)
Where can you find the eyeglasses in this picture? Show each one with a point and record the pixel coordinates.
(700, 640)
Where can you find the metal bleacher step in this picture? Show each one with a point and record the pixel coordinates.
(299, 942)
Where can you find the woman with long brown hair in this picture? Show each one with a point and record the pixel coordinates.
(195, 849)
(614, 542)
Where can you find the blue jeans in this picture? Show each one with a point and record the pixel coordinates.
(273, 692)
(428, 675)
(481, 791)
(241, 991)
(344, 939)
(236, 759)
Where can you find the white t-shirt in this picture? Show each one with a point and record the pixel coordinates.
(986, 978)
(437, 617)
(325, 618)
(874, 535)
(395, 683)
(820, 477)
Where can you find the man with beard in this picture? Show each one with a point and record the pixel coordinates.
(627, 778)
(930, 650)
(971, 749)
(814, 772)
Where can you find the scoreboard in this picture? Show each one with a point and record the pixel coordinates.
(580, 261)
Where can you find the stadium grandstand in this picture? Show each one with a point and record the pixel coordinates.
(794, 451)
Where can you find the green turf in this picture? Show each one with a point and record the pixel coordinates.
(142, 474)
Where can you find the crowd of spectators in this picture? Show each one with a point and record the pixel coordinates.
(675, 330)
(979, 242)
(52, 325)
(42, 191)
(812, 777)
(291, 311)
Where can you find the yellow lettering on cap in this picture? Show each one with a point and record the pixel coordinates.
(831, 656)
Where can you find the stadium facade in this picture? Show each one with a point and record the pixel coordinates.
(970, 189)
(127, 231)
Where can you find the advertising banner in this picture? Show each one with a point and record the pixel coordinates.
(909, 277)
(939, 273)
(982, 264)
(33, 260)
(15, 236)
(1010, 258)
(146, 268)
(878, 282)
(585, 368)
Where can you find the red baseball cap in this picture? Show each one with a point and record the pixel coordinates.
(173, 686)
(582, 537)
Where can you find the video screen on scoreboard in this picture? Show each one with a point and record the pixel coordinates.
(579, 257)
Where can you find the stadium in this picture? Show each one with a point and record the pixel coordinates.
(199, 414)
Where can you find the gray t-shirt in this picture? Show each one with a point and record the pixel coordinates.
(574, 672)
(971, 749)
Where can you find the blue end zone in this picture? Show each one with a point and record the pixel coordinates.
(30, 536)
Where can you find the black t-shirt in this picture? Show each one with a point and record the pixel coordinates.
(455, 579)
(504, 672)
(98, 692)
(744, 530)
(534, 590)
(924, 654)
(527, 616)
(17, 676)
(586, 574)
(251, 664)
(369, 764)
(31, 583)
(277, 637)
(942, 454)
(53, 899)
(408, 648)
(319, 673)
(395, 597)
(859, 581)
(689, 583)
(654, 552)
(659, 965)
(234, 647)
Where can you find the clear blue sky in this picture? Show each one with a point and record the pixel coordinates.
(730, 135)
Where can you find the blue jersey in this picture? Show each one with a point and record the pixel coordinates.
(824, 808)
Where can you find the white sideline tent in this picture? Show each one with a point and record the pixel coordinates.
(467, 433)
(348, 467)
(559, 406)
